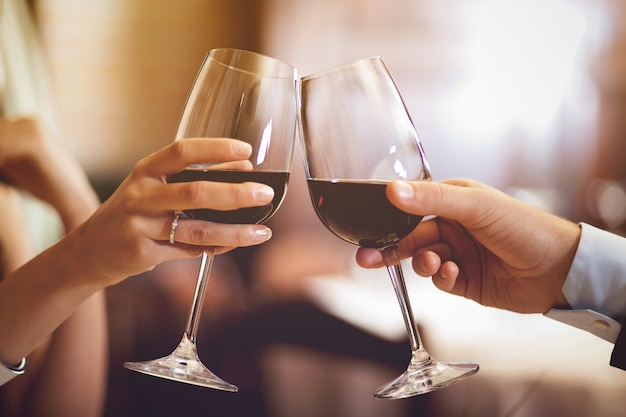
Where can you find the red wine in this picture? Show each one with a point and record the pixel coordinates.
(248, 215)
(360, 213)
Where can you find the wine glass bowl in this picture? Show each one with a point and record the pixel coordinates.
(357, 136)
(254, 98)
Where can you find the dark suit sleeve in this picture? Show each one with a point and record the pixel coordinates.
(618, 357)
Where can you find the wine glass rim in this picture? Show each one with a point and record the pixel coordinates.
(375, 58)
(293, 72)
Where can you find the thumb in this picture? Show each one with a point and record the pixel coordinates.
(459, 199)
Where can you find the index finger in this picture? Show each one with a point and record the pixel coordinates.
(185, 152)
(425, 234)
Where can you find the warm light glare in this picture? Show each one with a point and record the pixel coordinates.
(265, 143)
(606, 200)
(520, 59)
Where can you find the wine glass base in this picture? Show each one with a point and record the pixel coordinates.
(431, 377)
(181, 370)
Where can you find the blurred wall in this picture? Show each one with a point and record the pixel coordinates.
(604, 193)
(123, 69)
(500, 91)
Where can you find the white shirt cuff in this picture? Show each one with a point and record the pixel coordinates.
(597, 277)
(589, 320)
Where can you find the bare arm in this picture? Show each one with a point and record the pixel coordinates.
(74, 358)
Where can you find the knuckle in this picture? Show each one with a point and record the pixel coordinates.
(132, 199)
(132, 243)
(137, 250)
(142, 165)
(242, 235)
(199, 235)
(193, 192)
(179, 148)
(217, 235)
(242, 193)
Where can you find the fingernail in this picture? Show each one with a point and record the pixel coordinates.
(264, 193)
(404, 190)
(421, 264)
(263, 234)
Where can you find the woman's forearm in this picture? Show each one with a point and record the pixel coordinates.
(38, 297)
(76, 362)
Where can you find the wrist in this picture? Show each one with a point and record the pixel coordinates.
(561, 302)
(76, 273)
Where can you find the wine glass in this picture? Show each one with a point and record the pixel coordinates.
(357, 136)
(250, 97)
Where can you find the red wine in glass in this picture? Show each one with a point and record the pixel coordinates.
(360, 213)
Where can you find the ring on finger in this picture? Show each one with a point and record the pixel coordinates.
(174, 226)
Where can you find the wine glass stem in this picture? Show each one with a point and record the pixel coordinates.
(392, 261)
(198, 298)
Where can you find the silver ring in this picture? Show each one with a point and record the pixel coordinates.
(174, 226)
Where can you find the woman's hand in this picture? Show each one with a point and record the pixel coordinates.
(31, 159)
(129, 233)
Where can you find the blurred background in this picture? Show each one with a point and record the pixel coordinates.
(528, 96)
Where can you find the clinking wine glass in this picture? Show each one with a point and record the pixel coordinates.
(250, 97)
(357, 136)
